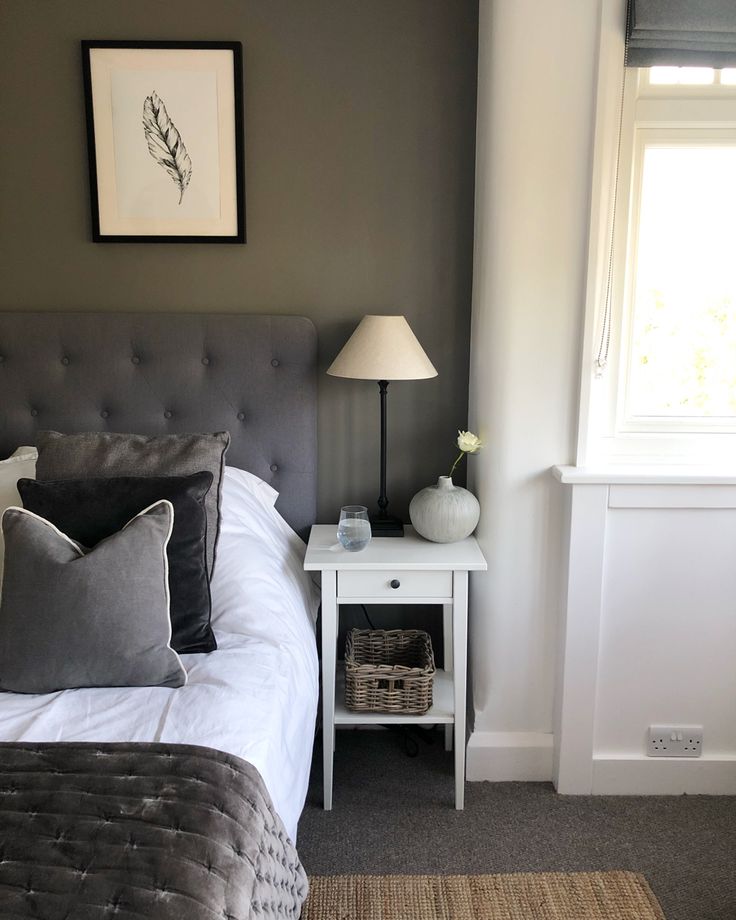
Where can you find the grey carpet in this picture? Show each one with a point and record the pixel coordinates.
(394, 814)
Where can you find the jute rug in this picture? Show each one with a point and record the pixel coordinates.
(523, 896)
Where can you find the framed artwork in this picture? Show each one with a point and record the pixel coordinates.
(165, 141)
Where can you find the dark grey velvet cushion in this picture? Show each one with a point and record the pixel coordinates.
(90, 510)
(104, 454)
(95, 619)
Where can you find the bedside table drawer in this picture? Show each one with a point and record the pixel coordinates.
(394, 584)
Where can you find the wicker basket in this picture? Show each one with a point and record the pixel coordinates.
(389, 670)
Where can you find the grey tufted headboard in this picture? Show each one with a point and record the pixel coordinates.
(254, 376)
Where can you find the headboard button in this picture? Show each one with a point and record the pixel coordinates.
(274, 468)
(205, 361)
(135, 359)
(275, 362)
(34, 412)
(104, 414)
(241, 416)
(168, 413)
(65, 360)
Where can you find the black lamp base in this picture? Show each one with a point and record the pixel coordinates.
(382, 524)
(386, 527)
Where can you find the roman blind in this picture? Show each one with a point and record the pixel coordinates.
(681, 33)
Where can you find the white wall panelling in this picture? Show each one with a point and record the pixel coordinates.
(579, 641)
(648, 636)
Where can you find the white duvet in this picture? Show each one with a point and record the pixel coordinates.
(255, 697)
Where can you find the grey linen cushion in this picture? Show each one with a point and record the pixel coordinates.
(105, 454)
(71, 617)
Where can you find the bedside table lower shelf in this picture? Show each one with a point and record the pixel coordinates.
(441, 712)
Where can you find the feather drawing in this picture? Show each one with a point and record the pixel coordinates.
(165, 144)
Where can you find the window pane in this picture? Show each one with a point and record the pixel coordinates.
(690, 76)
(683, 360)
(700, 76)
(728, 76)
(664, 75)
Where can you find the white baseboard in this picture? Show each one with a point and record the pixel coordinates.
(640, 775)
(508, 756)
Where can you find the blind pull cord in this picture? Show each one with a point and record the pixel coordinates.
(604, 345)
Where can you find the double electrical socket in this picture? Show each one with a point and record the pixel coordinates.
(675, 741)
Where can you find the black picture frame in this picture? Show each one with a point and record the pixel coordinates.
(99, 60)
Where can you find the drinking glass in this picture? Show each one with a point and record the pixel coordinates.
(354, 529)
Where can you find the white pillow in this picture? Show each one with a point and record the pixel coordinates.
(257, 487)
(251, 526)
(20, 465)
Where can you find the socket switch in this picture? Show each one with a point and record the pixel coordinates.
(675, 741)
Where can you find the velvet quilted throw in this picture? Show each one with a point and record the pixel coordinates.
(123, 831)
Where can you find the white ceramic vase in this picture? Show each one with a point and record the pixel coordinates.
(444, 513)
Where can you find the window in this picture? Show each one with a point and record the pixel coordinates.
(682, 346)
(663, 385)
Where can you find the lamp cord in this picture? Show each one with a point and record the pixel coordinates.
(365, 614)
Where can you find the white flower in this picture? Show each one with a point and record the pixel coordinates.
(468, 442)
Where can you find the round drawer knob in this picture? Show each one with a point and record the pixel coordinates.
(395, 583)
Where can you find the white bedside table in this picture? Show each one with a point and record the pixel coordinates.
(397, 570)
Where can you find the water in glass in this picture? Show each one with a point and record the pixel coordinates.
(354, 529)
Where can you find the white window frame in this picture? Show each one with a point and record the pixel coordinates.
(692, 114)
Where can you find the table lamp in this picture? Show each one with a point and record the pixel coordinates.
(383, 348)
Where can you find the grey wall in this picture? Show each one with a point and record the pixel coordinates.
(360, 128)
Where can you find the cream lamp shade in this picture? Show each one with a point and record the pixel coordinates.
(382, 348)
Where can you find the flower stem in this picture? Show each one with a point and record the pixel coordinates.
(459, 458)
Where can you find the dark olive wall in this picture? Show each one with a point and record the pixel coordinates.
(360, 133)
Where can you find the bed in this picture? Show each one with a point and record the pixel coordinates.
(254, 698)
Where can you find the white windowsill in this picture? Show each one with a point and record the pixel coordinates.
(644, 475)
